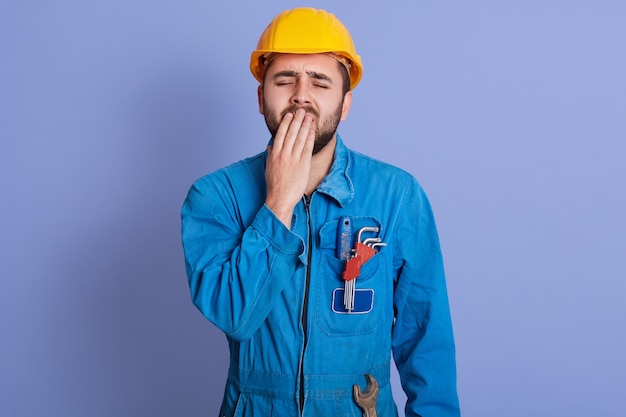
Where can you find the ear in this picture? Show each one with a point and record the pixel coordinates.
(347, 103)
(260, 97)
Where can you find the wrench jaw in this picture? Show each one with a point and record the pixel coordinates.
(366, 400)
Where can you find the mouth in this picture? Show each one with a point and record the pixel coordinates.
(309, 110)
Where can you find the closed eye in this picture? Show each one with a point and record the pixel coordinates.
(320, 79)
(285, 78)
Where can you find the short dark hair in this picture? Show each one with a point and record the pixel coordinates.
(345, 76)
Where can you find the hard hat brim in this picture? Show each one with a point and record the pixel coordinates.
(258, 68)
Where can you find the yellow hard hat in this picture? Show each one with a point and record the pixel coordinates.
(306, 31)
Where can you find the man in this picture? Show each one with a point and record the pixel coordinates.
(267, 241)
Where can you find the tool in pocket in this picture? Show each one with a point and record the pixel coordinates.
(363, 251)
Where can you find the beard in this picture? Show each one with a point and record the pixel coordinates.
(324, 132)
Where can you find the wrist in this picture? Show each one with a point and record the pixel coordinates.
(283, 212)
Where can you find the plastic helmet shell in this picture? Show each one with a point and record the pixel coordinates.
(306, 31)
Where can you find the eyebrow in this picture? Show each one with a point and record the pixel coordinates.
(313, 74)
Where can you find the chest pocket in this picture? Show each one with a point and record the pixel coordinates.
(371, 285)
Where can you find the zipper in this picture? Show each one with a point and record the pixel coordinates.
(305, 306)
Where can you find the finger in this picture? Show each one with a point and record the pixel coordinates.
(294, 129)
(310, 140)
(279, 137)
(305, 131)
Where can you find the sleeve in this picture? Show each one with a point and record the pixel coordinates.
(235, 272)
(422, 339)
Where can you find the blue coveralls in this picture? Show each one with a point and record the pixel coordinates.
(293, 351)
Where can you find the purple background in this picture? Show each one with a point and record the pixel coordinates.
(511, 114)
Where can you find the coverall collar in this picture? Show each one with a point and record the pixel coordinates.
(337, 183)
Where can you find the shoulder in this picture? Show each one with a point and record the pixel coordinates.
(238, 172)
(380, 172)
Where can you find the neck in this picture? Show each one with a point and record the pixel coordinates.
(320, 165)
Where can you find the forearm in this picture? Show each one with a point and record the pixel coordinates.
(424, 352)
(235, 272)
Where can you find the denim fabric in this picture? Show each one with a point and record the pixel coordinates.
(248, 275)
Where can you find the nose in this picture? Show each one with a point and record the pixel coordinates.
(301, 94)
